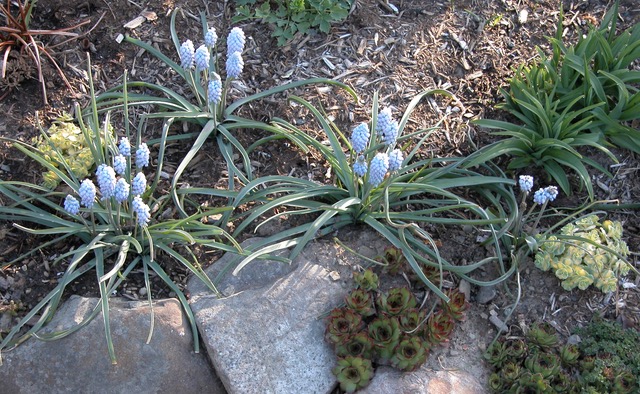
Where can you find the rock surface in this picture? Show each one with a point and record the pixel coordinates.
(80, 362)
(423, 381)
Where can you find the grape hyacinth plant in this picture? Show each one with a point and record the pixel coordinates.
(376, 177)
(210, 102)
(113, 223)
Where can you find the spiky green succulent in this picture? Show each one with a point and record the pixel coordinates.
(410, 354)
(543, 335)
(385, 333)
(439, 327)
(411, 320)
(396, 301)
(366, 280)
(358, 345)
(496, 354)
(496, 383)
(532, 382)
(361, 302)
(546, 364)
(569, 355)
(394, 260)
(342, 323)
(353, 373)
(516, 349)
(510, 373)
(457, 305)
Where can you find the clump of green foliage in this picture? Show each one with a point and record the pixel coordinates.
(585, 252)
(289, 17)
(387, 327)
(65, 142)
(612, 356)
(581, 95)
(607, 360)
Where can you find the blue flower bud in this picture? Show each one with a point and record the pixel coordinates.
(526, 183)
(235, 41)
(540, 197)
(139, 184)
(121, 192)
(395, 160)
(187, 55)
(384, 120)
(235, 64)
(142, 156)
(124, 147)
(360, 137)
(87, 193)
(142, 211)
(120, 164)
(106, 177)
(214, 89)
(551, 192)
(202, 58)
(390, 133)
(71, 205)
(360, 166)
(210, 37)
(378, 169)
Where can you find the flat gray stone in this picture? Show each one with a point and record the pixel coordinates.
(422, 381)
(80, 362)
(270, 340)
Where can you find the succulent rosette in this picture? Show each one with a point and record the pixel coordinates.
(353, 373)
(625, 382)
(366, 280)
(532, 382)
(394, 259)
(411, 320)
(510, 373)
(396, 301)
(546, 364)
(569, 355)
(457, 305)
(385, 333)
(516, 349)
(341, 324)
(496, 384)
(439, 327)
(361, 302)
(496, 354)
(542, 335)
(410, 354)
(358, 345)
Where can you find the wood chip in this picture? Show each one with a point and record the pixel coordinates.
(137, 21)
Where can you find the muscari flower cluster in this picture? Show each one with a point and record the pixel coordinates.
(542, 195)
(200, 59)
(383, 162)
(111, 186)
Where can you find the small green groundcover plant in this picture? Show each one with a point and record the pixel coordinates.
(583, 95)
(606, 360)
(288, 17)
(584, 253)
(115, 221)
(377, 327)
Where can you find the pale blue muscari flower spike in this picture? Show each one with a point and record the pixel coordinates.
(360, 137)
(540, 197)
(120, 164)
(202, 58)
(390, 133)
(360, 166)
(142, 156)
(139, 184)
(187, 55)
(87, 193)
(526, 183)
(71, 205)
(125, 147)
(121, 192)
(551, 192)
(378, 169)
(106, 177)
(235, 64)
(235, 41)
(142, 211)
(395, 160)
(210, 37)
(214, 89)
(384, 119)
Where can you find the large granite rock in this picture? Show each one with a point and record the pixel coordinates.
(422, 381)
(80, 362)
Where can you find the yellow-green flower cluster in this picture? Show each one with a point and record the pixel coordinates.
(66, 138)
(583, 263)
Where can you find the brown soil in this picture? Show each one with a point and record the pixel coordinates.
(465, 46)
